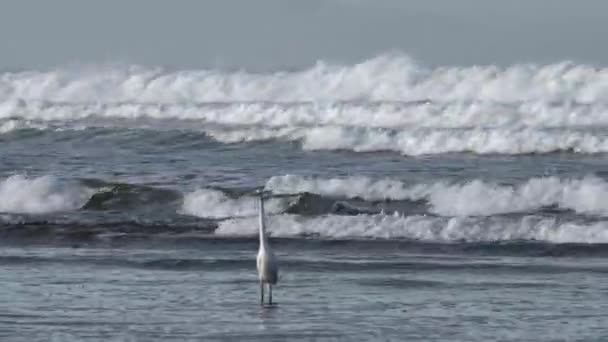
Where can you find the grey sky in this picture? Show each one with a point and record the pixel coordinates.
(292, 33)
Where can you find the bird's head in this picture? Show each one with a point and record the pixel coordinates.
(262, 193)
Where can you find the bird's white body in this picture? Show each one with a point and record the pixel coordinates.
(267, 264)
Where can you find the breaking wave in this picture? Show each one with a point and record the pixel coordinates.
(383, 114)
(588, 195)
(313, 196)
(389, 77)
(347, 208)
(20, 194)
(386, 103)
(212, 203)
(424, 228)
(416, 142)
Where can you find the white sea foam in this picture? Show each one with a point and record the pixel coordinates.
(588, 195)
(210, 203)
(457, 114)
(407, 141)
(9, 126)
(20, 194)
(386, 103)
(351, 187)
(386, 77)
(415, 142)
(424, 228)
(15, 125)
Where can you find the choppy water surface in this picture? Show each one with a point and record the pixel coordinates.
(329, 291)
(406, 203)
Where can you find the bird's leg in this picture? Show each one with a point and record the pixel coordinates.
(261, 293)
(270, 294)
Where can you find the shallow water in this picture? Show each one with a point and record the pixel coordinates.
(326, 292)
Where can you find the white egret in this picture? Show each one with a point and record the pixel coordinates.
(267, 263)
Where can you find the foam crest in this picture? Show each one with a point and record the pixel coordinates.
(211, 203)
(408, 141)
(414, 142)
(423, 228)
(12, 125)
(19, 194)
(385, 103)
(588, 195)
(351, 187)
(394, 77)
(392, 115)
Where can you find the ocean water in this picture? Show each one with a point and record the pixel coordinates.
(407, 202)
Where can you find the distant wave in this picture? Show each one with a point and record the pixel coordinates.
(388, 77)
(409, 142)
(386, 103)
(415, 142)
(384, 114)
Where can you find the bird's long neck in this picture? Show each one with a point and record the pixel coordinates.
(263, 239)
